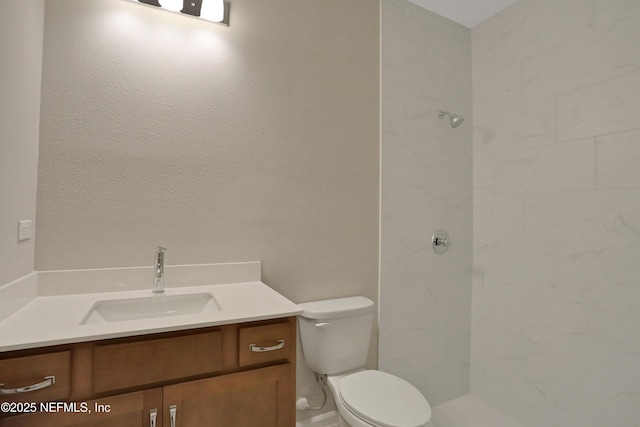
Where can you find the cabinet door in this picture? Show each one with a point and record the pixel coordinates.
(126, 410)
(260, 397)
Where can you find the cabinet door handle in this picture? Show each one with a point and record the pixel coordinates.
(257, 349)
(153, 415)
(48, 381)
(173, 410)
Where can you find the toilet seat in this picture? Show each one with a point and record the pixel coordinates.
(384, 400)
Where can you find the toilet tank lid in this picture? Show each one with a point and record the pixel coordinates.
(335, 308)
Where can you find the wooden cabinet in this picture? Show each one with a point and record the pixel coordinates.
(126, 410)
(265, 343)
(236, 375)
(260, 397)
(48, 375)
(140, 363)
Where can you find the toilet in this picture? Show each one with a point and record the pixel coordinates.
(335, 338)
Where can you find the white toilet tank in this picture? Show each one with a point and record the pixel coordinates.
(335, 333)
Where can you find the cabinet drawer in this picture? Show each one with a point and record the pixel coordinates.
(265, 343)
(37, 378)
(133, 364)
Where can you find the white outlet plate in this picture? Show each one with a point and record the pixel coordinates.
(24, 230)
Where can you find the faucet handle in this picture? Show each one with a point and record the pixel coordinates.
(158, 285)
(160, 256)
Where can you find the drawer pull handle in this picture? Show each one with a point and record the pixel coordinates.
(153, 415)
(48, 381)
(257, 349)
(173, 410)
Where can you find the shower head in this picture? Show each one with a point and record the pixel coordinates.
(455, 119)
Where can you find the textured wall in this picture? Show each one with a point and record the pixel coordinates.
(254, 142)
(425, 299)
(21, 26)
(258, 141)
(556, 291)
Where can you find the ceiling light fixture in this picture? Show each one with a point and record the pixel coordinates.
(211, 10)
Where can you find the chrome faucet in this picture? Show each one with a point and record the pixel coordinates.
(158, 284)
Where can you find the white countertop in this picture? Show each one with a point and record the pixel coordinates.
(55, 320)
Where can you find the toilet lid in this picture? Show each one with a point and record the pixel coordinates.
(384, 399)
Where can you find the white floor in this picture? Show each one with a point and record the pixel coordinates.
(465, 411)
(329, 419)
(469, 411)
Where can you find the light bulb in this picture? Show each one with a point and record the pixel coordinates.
(174, 5)
(212, 10)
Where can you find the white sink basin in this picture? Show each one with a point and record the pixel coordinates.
(154, 306)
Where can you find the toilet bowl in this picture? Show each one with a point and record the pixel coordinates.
(374, 398)
(335, 342)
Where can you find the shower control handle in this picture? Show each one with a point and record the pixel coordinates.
(438, 241)
(441, 242)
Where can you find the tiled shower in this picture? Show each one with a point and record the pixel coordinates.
(548, 293)
(425, 310)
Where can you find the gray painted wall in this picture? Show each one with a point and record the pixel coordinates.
(254, 142)
(21, 26)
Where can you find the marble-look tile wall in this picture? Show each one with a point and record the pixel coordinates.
(556, 283)
(425, 299)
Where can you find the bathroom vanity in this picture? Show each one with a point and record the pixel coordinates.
(201, 377)
(233, 366)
